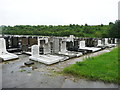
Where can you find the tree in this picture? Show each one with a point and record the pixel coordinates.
(86, 24)
(111, 23)
(115, 30)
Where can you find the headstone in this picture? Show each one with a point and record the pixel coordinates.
(32, 41)
(95, 42)
(47, 49)
(72, 38)
(99, 42)
(87, 42)
(112, 41)
(7, 41)
(76, 44)
(24, 40)
(20, 42)
(2, 46)
(35, 50)
(46, 40)
(51, 47)
(63, 46)
(69, 45)
(106, 41)
(42, 43)
(81, 44)
(56, 45)
(14, 42)
(115, 40)
(38, 41)
(25, 44)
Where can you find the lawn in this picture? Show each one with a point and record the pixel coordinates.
(103, 67)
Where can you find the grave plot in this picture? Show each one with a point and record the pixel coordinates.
(50, 48)
(14, 44)
(100, 44)
(106, 43)
(74, 46)
(68, 43)
(3, 52)
(46, 59)
(83, 46)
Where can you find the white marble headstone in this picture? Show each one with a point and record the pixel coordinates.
(35, 50)
(38, 39)
(115, 40)
(99, 42)
(63, 46)
(111, 41)
(72, 38)
(106, 41)
(2, 46)
(81, 44)
(46, 40)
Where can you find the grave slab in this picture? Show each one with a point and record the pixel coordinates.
(83, 46)
(46, 59)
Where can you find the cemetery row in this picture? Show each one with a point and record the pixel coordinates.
(51, 50)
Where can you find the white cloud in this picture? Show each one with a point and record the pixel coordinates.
(55, 12)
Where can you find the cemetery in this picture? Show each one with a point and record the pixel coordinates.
(49, 50)
(23, 55)
(59, 44)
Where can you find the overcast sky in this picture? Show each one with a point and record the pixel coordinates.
(58, 12)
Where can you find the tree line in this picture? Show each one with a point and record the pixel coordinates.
(110, 30)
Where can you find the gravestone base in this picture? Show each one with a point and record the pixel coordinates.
(48, 59)
(8, 56)
(71, 54)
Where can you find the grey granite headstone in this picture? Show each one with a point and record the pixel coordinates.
(47, 49)
(56, 45)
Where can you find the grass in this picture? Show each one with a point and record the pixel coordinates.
(103, 67)
(22, 70)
